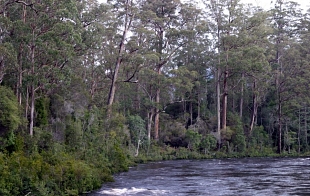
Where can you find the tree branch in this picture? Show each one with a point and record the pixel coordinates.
(31, 5)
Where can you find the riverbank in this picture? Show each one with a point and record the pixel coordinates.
(55, 172)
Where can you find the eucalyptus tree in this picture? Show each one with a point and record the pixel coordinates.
(126, 10)
(294, 93)
(255, 70)
(8, 58)
(11, 55)
(163, 20)
(303, 44)
(94, 51)
(227, 20)
(190, 64)
(7, 51)
(285, 17)
(46, 33)
(215, 18)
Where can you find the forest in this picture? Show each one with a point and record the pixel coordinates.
(88, 89)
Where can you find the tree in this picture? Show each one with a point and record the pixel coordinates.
(284, 20)
(190, 64)
(256, 69)
(127, 15)
(10, 119)
(163, 21)
(48, 39)
(137, 131)
(208, 143)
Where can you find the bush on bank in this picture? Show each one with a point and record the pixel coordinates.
(75, 151)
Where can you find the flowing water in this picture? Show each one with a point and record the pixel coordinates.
(247, 176)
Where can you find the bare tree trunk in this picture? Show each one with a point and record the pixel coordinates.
(233, 104)
(287, 138)
(224, 101)
(218, 105)
(128, 20)
(19, 83)
(27, 102)
(20, 64)
(137, 149)
(32, 90)
(32, 110)
(198, 105)
(150, 115)
(156, 123)
(254, 109)
(191, 112)
(138, 103)
(218, 83)
(241, 99)
(279, 125)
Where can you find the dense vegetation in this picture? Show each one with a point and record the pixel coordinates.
(87, 89)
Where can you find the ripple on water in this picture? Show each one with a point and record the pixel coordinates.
(132, 191)
(251, 176)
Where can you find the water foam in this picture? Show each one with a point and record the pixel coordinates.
(131, 191)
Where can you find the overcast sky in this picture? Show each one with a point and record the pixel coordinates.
(305, 4)
(269, 3)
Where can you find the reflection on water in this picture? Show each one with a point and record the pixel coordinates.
(248, 176)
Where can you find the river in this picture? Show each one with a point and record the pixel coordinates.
(246, 176)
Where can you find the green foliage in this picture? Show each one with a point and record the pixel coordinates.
(208, 143)
(41, 108)
(137, 129)
(193, 138)
(118, 159)
(73, 134)
(238, 140)
(10, 117)
(66, 50)
(47, 174)
(259, 139)
(236, 134)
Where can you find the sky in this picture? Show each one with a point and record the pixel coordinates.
(266, 4)
(269, 3)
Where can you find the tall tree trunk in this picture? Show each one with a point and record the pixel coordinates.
(138, 102)
(191, 112)
(150, 115)
(287, 138)
(32, 105)
(20, 64)
(115, 74)
(224, 100)
(218, 105)
(241, 98)
(218, 83)
(157, 99)
(254, 108)
(225, 87)
(27, 103)
(32, 90)
(20, 75)
(128, 20)
(279, 124)
(160, 49)
(198, 105)
(93, 82)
